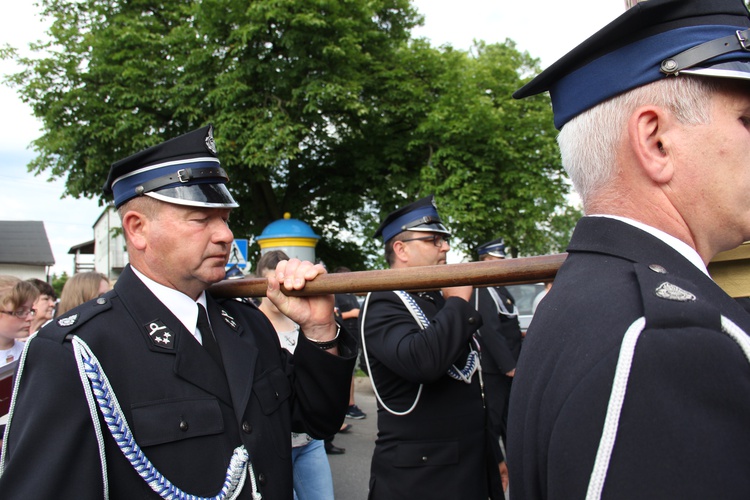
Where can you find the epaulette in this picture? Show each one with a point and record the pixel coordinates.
(62, 328)
(672, 302)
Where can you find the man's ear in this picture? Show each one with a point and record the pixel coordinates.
(400, 250)
(135, 225)
(649, 129)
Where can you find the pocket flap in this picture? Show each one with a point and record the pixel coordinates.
(272, 389)
(165, 421)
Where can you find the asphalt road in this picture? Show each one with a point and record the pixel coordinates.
(351, 471)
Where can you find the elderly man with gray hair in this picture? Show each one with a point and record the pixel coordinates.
(634, 380)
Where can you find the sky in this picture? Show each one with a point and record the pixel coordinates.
(546, 29)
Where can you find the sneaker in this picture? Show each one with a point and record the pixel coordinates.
(355, 413)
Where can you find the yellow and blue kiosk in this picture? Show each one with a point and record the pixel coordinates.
(294, 237)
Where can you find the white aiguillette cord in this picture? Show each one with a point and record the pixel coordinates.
(617, 396)
(472, 362)
(99, 394)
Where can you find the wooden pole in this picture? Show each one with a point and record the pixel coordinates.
(487, 273)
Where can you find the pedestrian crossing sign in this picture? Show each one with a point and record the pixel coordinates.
(238, 254)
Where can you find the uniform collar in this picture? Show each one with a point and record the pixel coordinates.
(678, 245)
(179, 304)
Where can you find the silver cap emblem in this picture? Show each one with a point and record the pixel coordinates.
(210, 144)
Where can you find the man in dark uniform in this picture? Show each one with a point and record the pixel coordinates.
(634, 379)
(500, 340)
(432, 439)
(141, 393)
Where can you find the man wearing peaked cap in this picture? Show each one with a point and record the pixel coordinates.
(420, 216)
(423, 362)
(500, 340)
(184, 171)
(634, 377)
(191, 396)
(494, 248)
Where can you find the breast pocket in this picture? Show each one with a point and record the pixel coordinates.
(164, 421)
(272, 389)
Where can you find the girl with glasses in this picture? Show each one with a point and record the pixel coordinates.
(16, 313)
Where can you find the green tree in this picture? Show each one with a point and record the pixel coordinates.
(326, 109)
(496, 161)
(450, 127)
(58, 282)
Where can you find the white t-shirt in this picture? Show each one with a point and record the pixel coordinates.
(288, 340)
(12, 354)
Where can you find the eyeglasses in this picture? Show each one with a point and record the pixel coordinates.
(21, 313)
(437, 239)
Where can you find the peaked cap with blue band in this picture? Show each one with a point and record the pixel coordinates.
(183, 171)
(654, 39)
(420, 216)
(496, 248)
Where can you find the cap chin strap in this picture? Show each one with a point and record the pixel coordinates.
(183, 176)
(740, 41)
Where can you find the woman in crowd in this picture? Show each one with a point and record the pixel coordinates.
(80, 288)
(44, 306)
(312, 472)
(17, 299)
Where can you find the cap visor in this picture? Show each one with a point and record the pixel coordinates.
(730, 69)
(434, 227)
(197, 195)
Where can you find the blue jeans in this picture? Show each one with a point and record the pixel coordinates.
(312, 472)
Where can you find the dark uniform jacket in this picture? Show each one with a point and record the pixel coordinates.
(185, 413)
(500, 336)
(500, 339)
(440, 449)
(683, 430)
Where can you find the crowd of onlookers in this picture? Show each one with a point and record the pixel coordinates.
(27, 305)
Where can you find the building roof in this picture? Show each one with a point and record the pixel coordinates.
(25, 242)
(86, 248)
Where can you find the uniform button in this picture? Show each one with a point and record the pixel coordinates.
(101, 301)
(262, 479)
(183, 425)
(657, 268)
(246, 427)
(472, 320)
(424, 459)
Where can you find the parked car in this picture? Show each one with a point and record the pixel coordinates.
(524, 296)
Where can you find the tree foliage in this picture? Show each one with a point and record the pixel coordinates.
(327, 109)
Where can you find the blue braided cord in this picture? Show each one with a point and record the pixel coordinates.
(464, 375)
(472, 361)
(118, 427)
(415, 308)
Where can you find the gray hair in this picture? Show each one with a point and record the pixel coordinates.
(589, 142)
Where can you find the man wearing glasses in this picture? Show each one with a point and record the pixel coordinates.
(424, 367)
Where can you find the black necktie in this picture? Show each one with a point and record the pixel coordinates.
(209, 342)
